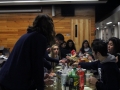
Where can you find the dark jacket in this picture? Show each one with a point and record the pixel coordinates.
(64, 52)
(47, 64)
(93, 66)
(90, 65)
(25, 63)
(110, 77)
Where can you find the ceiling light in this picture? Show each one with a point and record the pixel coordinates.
(118, 23)
(113, 25)
(98, 28)
(109, 23)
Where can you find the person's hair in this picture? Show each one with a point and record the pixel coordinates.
(82, 49)
(116, 43)
(59, 36)
(73, 45)
(44, 25)
(96, 40)
(99, 46)
(62, 43)
(52, 51)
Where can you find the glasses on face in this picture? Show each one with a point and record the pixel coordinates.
(55, 48)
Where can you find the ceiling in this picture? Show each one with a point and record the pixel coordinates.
(114, 18)
(41, 2)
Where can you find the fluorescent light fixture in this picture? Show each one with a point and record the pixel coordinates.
(68, 0)
(113, 25)
(118, 23)
(98, 28)
(17, 11)
(108, 23)
(35, 1)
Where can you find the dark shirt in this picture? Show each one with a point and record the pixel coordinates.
(64, 52)
(91, 66)
(110, 77)
(47, 65)
(25, 63)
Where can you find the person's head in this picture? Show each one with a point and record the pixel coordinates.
(85, 44)
(113, 45)
(70, 45)
(63, 45)
(55, 49)
(44, 25)
(59, 38)
(99, 49)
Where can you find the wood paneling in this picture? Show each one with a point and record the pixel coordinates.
(14, 25)
(83, 31)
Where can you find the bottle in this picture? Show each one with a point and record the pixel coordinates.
(87, 78)
(66, 86)
(73, 79)
(80, 73)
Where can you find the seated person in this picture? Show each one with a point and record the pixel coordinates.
(54, 53)
(109, 72)
(59, 38)
(85, 48)
(63, 45)
(113, 48)
(70, 45)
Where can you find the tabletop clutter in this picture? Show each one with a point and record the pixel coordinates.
(70, 77)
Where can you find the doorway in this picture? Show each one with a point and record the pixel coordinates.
(80, 31)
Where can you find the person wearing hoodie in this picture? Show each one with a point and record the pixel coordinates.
(109, 71)
(113, 48)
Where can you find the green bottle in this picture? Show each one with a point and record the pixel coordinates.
(74, 79)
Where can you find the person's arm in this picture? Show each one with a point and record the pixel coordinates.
(110, 79)
(47, 65)
(37, 54)
(89, 65)
(50, 59)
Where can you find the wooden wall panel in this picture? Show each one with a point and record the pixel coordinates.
(14, 25)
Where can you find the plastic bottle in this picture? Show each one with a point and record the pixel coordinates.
(80, 72)
(73, 79)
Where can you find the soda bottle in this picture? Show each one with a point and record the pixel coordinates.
(73, 79)
(80, 73)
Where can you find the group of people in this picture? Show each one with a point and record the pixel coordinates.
(31, 55)
(107, 64)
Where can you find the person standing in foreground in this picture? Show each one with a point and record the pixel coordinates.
(25, 63)
(109, 72)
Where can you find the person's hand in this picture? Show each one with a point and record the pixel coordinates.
(46, 75)
(68, 57)
(52, 74)
(75, 64)
(92, 80)
(116, 59)
(48, 49)
(50, 71)
(63, 61)
(48, 81)
(90, 57)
